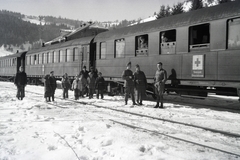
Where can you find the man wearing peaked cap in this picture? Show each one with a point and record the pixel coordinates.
(127, 75)
(129, 64)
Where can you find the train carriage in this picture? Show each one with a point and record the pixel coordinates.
(200, 50)
(65, 54)
(9, 65)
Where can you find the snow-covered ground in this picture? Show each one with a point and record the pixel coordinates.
(65, 130)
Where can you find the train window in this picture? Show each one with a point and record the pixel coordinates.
(199, 37)
(61, 56)
(103, 50)
(30, 60)
(68, 55)
(119, 48)
(55, 58)
(45, 58)
(75, 54)
(35, 59)
(49, 57)
(234, 34)
(42, 58)
(52, 57)
(168, 42)
(141, 43)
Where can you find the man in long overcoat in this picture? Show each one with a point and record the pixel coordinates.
(20, 81)
(53, 84)
(47, 88)
(140, 84)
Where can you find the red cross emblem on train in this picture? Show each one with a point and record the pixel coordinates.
(198, 66)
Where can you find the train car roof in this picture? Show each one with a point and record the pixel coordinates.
(14, 55)
(230, 9)
(79, 41)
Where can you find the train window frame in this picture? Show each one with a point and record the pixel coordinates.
(195, 37)
(103, 51)
(42, 58)
(119, 48)
(52, 57)
(141, 45)
(232, 33)
(168, 39)
(75, 54)
(35, 59)
(61, 55)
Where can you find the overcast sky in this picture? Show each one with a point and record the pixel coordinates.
(95, 10)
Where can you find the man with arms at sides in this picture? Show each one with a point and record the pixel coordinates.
(159, 84)
(20, 81)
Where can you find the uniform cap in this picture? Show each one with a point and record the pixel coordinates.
(129, 63)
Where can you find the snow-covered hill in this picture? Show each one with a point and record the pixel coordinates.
(3, 52)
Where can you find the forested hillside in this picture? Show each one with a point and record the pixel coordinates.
(15, 31)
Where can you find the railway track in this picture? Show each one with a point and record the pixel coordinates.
(150, 123)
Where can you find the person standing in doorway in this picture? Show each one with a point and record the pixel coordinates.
(140, 84)
(159, 84)
(20, 81)
(127, 75)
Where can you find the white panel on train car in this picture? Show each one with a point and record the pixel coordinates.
(198, 66)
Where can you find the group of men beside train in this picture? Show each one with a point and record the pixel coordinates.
(138, 81)
(87, 82)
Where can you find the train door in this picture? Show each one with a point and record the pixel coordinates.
(92, 54)
(85, 57)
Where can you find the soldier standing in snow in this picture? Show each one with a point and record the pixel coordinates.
(140, 84)
(127, 75)
(159, 84)
(20, 81)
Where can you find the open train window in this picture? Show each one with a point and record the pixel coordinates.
(168, 42)
(234, 34)
(199, 37)
(35, 59)
(103, 50)
(141, 43)
(119, 50)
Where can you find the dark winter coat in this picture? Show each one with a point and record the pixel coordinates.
(91, 80)
(47, 87)
(127, 75)
(84, 73)
(140, 80)
(100, 83)
(53, 82)
(66, 83)
(20, 79)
